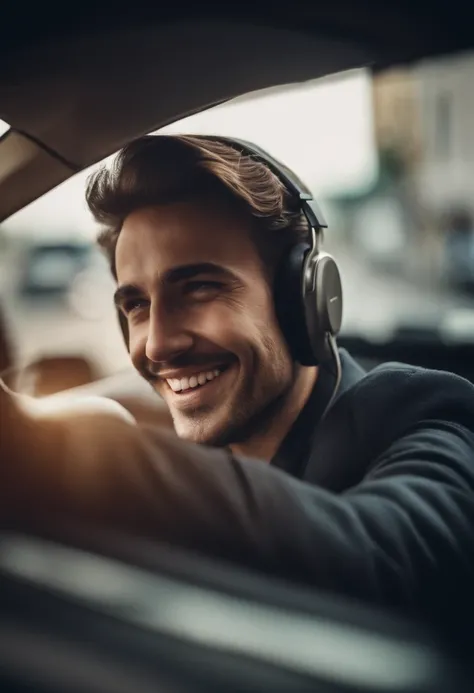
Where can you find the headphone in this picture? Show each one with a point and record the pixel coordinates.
(307, 287)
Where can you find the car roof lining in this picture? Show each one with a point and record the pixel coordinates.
(76, 98)
(95, 99)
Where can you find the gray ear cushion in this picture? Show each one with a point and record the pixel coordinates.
(307, 320)
(329, 295)
(323, 306)
(290, 307)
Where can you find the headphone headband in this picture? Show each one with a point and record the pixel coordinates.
(308, 292)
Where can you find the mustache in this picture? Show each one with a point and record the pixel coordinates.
(152, 370)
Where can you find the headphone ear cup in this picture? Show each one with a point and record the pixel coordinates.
(322, 298)
(290, 305)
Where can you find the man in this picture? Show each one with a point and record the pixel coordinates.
(372, 496)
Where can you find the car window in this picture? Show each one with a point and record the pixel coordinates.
(391, 160)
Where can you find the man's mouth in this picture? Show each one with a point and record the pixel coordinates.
(195, 381)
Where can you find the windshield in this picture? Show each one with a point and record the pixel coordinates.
(390, 159)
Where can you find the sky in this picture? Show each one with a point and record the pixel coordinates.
(322, 129)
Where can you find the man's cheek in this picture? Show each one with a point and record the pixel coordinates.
(221, 321)
(137, 350)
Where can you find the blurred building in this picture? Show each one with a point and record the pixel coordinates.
(425, 117)
(385, 221)
(445, 174)
(424, 132)
(397, 121)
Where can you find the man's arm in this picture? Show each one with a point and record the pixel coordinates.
(402, 536)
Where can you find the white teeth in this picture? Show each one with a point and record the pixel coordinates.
(180, 384)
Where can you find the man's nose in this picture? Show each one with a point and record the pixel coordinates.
(167, 337)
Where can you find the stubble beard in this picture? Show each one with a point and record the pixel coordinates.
(249, 413)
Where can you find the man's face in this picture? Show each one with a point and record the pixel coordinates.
(201, 319)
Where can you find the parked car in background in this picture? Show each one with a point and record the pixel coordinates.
(50, 268)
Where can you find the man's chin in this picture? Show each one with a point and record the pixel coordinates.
(212, 432)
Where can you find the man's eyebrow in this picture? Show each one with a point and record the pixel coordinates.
(173, 276)
(178, 274)
(124, 292)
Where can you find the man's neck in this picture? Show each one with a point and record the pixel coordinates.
(264, 445)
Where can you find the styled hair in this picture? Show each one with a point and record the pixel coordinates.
(163, 169)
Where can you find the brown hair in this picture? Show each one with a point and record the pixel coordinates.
(161, 169)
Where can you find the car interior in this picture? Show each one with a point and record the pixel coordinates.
(85, 611)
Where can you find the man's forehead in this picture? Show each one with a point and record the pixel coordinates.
(155, 240)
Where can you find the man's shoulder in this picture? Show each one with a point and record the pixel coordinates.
(376, 409)
(406, 394)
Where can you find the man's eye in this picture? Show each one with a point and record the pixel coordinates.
(202, 288)
(134, 305)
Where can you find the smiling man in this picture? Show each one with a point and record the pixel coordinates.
(353, 482)
(202, 327)
(195, 262)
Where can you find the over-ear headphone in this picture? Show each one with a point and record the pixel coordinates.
(307, 289)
